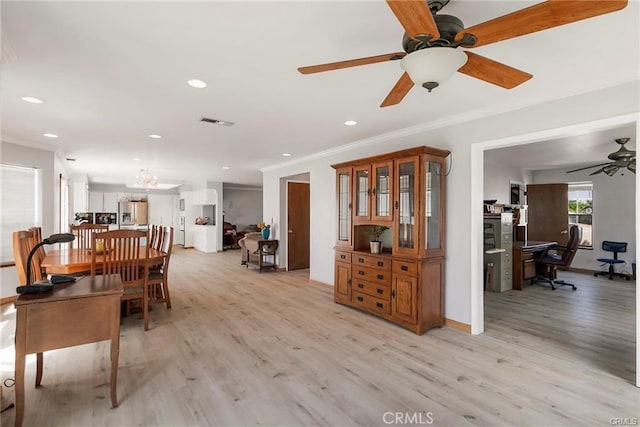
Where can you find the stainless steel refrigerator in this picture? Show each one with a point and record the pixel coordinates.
(133, 213)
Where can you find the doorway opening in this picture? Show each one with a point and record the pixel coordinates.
(546, 316)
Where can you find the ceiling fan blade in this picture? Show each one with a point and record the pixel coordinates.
(493, 72)
(399, 91)
(351, 63)
(589, 167)
(597, 172)
(415, 17)
(542, 16)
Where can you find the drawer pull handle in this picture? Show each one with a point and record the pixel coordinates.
(360, 259)
(342, 256)
(404, 268)
(360, 272)
(380, 263)
(380, 277)
(380, 291)
(360, 299)
(361, 286)
(379, 304)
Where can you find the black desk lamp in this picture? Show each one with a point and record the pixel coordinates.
(44, 285)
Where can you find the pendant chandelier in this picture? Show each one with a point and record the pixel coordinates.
(146, 180)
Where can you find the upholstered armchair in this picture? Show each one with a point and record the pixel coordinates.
(249, 243)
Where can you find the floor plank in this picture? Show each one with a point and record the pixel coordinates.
(245, 348)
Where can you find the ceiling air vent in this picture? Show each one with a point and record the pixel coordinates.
(217, 122)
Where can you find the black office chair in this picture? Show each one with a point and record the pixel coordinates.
(614, 247)
(562, 256)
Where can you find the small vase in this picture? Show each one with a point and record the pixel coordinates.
(376, 247)
(265, 233)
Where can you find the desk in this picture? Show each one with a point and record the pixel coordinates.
(524, 260)
(73, 314)
(74, 260)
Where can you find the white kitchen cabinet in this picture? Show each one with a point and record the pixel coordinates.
(110, 202)
(204, 238)
(96, 201)
(207, 196)
(160, 209)
(80, 197)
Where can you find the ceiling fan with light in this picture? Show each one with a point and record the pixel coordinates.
(431, 42)
(623, 158)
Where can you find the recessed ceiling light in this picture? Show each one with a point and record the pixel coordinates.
(50, 135)
(350, 123)
(154, 136)
(286, 154)
(225, 168)
(32, 100)
(136, 159)
(197, 83)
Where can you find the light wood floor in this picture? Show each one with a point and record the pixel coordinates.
(244, 348)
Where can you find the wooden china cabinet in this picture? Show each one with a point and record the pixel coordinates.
(405, 191)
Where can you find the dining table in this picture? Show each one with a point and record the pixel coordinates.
(78, 260)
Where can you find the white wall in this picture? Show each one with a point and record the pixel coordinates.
(497, 178)
(613, 213)
(458, 138)
(242, 206)
(43, 160)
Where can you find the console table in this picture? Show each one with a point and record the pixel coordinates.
(264, 257)
(76, 313)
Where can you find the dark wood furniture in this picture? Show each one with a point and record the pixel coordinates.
(405, 191)
(83, 233)
(265, 256)
(124, 254)
(525, 255)
(77, 313)
(74, 260)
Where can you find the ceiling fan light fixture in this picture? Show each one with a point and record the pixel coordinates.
(432, 66)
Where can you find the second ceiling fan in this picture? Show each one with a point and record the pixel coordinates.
(431, 42)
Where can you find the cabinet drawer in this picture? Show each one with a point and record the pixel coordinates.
(371, 275)
(372, 262)
(406, 268)
(529, 269)
(374, 289)
(372, 304)
(343, 256)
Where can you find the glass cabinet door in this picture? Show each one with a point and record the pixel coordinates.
(344, 206)
(433, 205)
(382, 191)
(407, 205)
(362, 193)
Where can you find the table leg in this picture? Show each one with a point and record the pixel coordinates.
(115, 350)
(39, 366)
(21, 349)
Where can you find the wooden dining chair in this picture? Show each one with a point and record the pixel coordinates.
(83, 233)
(23, 242)
(124, 253)
(155, 236)
(40, 253)
(159, 278)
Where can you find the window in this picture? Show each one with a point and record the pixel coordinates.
(20, 204)
(581, 210)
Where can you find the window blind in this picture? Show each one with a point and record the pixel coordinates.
(19, 195)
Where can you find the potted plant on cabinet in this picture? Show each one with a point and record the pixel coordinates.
(376, 231)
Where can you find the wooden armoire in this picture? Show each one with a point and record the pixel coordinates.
(405, 191)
